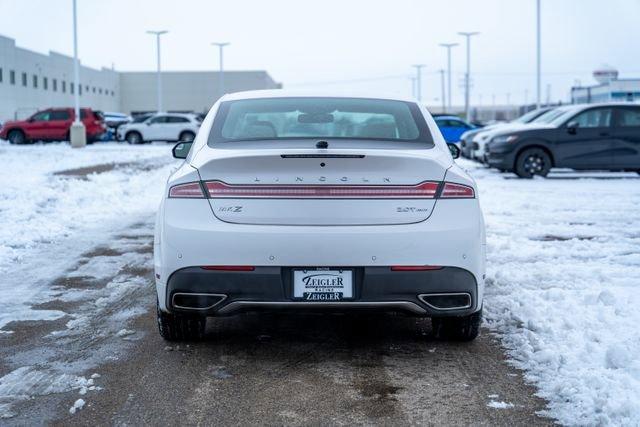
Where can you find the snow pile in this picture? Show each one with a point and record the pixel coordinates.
(28, 381)
(50, 219)
(79, 404)
(499, 405)
(563, 282)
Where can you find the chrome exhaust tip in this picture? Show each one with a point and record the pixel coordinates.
(447, 301)
(193, 301)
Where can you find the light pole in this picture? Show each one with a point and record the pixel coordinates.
(467, 76)
(448, 46)
(77, 133)
(221, 73)
(413, 86)
(418, 68)
(159, 79)
(444, 103)
(538, 55)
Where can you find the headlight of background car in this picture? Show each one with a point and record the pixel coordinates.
(505, 138)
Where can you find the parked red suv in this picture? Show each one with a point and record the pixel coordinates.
(52, 124)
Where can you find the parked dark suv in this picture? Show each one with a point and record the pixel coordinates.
(52, 124)
(466, 139)
(582, 137)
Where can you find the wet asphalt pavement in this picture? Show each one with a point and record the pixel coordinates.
(250, 369)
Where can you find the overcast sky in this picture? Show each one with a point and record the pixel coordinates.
(339, 45)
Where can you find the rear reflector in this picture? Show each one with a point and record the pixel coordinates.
(229, 267)
(425, 190)
(191, 190)
(415, 267)
(456, 191)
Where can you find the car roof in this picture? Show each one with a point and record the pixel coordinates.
(447, 117)
(186, 115)
(288, 93)
(580, 107)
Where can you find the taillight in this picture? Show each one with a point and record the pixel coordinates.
(191, 190)
(425, 190)
(229, 267)
(415, 267)
(457, 191)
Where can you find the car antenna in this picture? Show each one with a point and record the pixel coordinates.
(322, 144)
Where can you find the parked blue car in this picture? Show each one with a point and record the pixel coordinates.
(452, 127)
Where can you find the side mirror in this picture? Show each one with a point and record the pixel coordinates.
(572, 127)
(148, 122)
(454, 150)
(181, 150)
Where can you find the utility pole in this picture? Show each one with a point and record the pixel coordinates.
(467, 76)
(448, 46)
(221, 72)
(77, 132)
(444, 102)
(159, 78)
(548, 93)
(413, 86)
(418, 68)
(538, 56)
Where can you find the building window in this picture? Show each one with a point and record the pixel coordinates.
(12, 77)
(55, 84)
(71, 88)
(94, 89)
(64, 86)
(80, 87)
(100, 91)
(86, 88)
(0, 75)
(113, 93)
(45, 83)
(35, 81)
(24, 79)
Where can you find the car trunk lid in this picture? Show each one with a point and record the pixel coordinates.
(322, 187)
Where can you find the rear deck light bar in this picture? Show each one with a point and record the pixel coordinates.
(415, 267)
(229, 267)
(424, 190)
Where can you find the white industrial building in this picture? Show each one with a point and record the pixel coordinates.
(30, 81)
(609, 88)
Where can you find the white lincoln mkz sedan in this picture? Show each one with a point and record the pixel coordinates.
(307, 202)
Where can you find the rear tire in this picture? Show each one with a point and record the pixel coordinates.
(134, 138)
(187, 136)
(465, 328)
(533, 161)
(177, 327)
(16, 137)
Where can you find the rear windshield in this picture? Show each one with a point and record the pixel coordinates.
(273, 119)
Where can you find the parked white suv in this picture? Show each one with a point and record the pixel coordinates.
(161, 127)
(310, 202)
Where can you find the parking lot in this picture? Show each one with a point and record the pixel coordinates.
(77, 314)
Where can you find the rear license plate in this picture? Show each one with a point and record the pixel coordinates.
(322, 285)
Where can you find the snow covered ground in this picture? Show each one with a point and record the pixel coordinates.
(563, 266)
(563, 281)
(48, 219)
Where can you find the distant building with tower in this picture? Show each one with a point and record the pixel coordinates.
(31, 81)
(608, 88)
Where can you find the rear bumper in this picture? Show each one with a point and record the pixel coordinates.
(417, 293)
